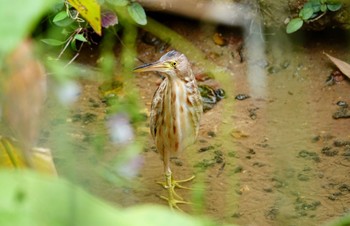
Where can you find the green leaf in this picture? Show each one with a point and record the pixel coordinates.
(52, 42)
(334, 7)
(80, 37)
(64, 22)
(60, 16)
(18, 19)
(306, 13)
(315, 6)
(137, 13)
(294, 25)
(118, 2)
(73, 45)
(323, 8)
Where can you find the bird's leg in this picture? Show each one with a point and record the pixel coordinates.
(175, 183)
(169, 179)
(169, 184)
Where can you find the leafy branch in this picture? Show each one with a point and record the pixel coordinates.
(77, 17)
(312, 10)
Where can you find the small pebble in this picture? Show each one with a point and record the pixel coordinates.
(342, 104)
(211, 134)
(242, 96)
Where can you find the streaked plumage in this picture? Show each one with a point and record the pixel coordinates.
(176, 111)
(175, 114)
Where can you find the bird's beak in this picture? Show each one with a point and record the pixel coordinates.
(156, 66)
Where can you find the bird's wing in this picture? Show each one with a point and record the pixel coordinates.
(157, 108)
(198, 110)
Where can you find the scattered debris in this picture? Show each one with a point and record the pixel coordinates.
(285, 64)
(328, 151)
(205, 163)
(211, 134)
(240, 50)
(342, 112)
(219, 39)
(302, 206)
(242, 96)
(273, 69)
(309, 155)
(207, 148)
(176, 161)
(335, 77)
(342, 104)
(221, 169)
(86, 118)
(236, 215)
(218, 156)
(303, 177)
(238, 169)
(272, 213)
(340, 143)
(342, 65)
(252, 113)
(238, 134)
(201, 77)
(152, 40)
(110, 89)
(210, 96)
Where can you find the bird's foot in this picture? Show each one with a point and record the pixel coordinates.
(173, 203)
(174, 199)
(176, 183)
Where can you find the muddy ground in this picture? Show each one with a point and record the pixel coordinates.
(276, 158)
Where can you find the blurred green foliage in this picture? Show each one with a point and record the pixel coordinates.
(28, 198)
(18, 18)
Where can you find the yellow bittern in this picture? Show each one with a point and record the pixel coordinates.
(175, 114)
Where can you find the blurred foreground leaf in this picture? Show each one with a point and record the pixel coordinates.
(137, 13)
(18, 18)
(28, 198)
(52, 42)
(11, 157)
(342, 221)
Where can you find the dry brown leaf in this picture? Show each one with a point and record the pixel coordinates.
(238, 134)
(342, 66)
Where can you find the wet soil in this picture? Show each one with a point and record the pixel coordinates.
(275, 158)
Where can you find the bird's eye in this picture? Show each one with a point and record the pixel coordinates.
(173, 63)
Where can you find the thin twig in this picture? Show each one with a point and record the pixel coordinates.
(75, 56)
(69, 41)
(324, 13)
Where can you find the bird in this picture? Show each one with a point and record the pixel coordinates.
(175, 115)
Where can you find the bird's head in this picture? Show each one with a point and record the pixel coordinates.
(173, 64)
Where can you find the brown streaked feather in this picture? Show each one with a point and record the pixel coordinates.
(156, 108)
(176, 111)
